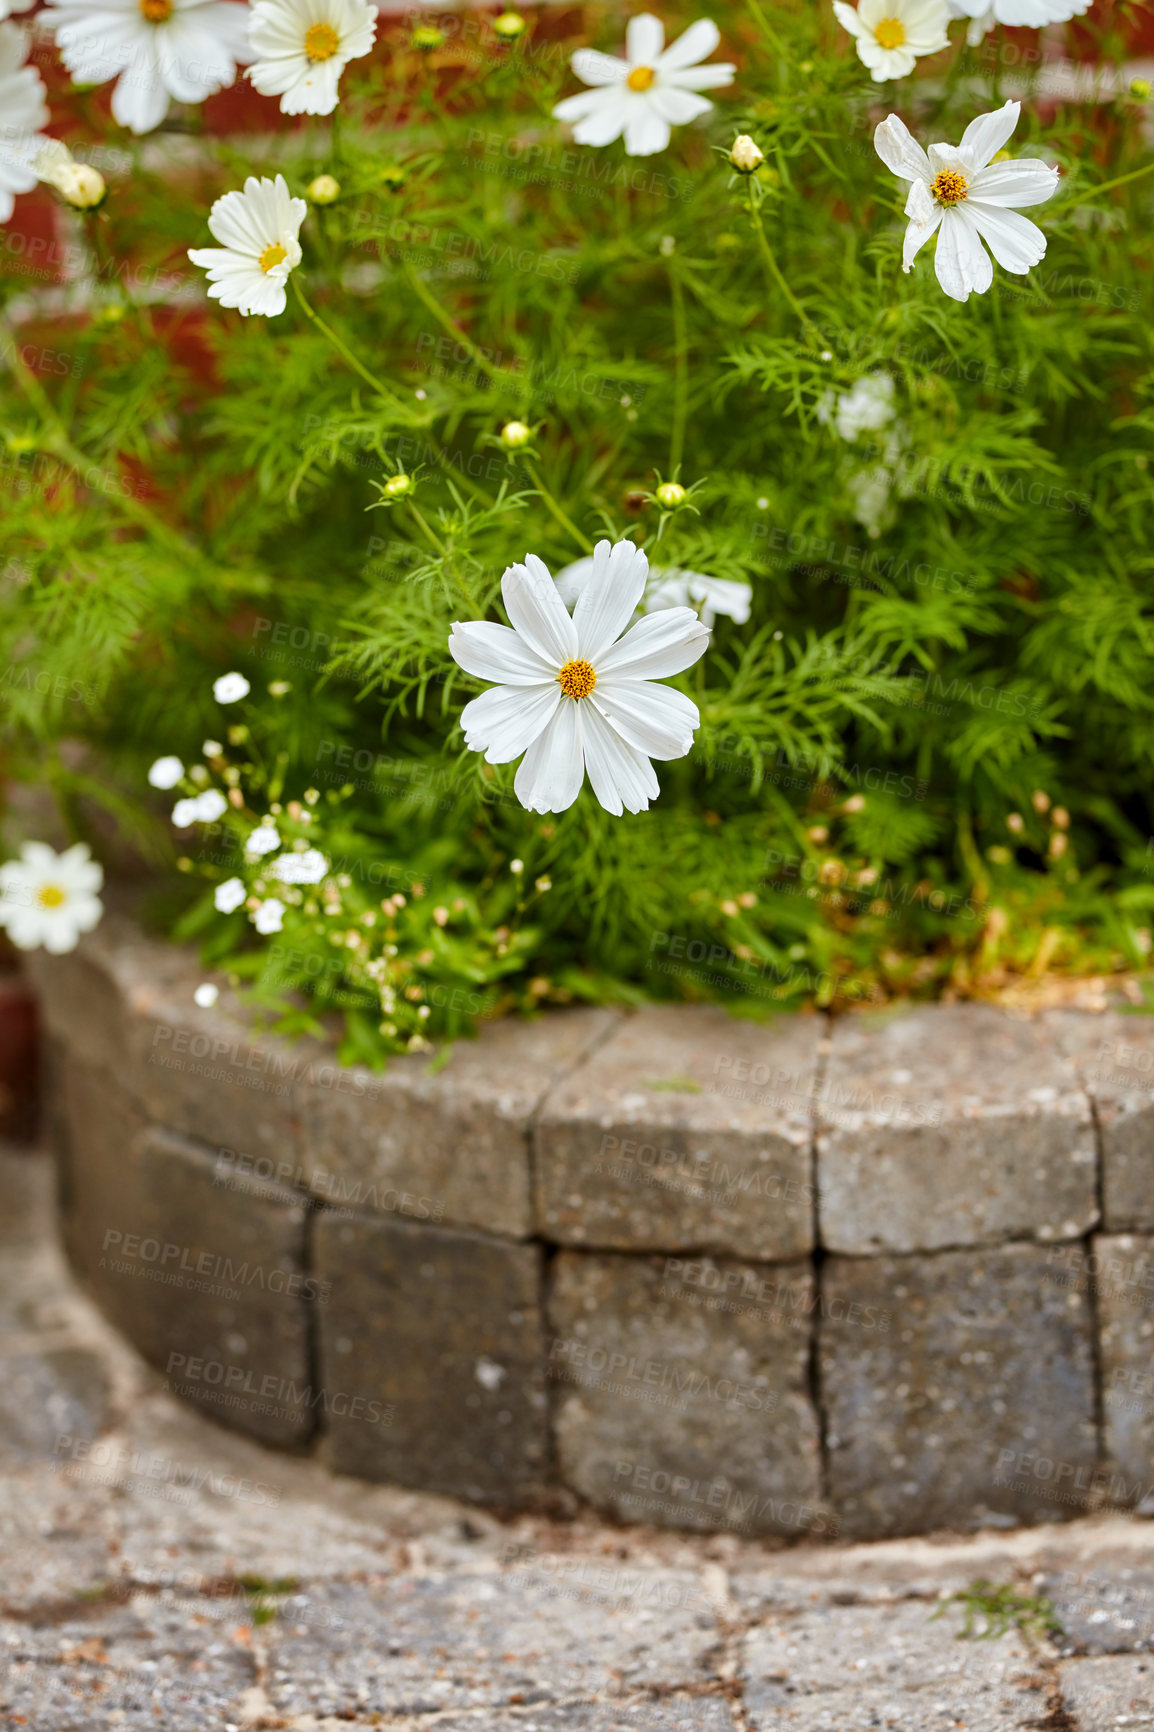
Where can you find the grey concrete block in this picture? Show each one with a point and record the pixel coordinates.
(687, 1129)
(1104, 1695)
(951, 1125)
(1120, 1269)
(1114, 1056)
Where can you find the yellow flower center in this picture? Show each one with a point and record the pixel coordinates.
(890, 33)
(577, 679)
(641, 78)
(321, 41)
(50, 896)
(156, 11)
(950, 186)
(271, 257)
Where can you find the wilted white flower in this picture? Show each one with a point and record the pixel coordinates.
(159, 51)
(303, 46)
(166, 773)
(258, 229)
(269, 917)
(1033, 14)
(892, 34)
(23, 111)
(866, 408)
(308, 867)
(962, 192)
(649, 91)
(670, 586)
(262, 840)
(230, 687)
(206, 995)
(574, 695)
(203, 808)
(229, 896)
(47, 899)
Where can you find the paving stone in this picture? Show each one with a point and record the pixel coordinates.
(886, 1666)
(1104, 1695)
(432, 1351)
(667, 1411)
(686, 1130)
(1106, 1607)
(975, 1405)
(58, 1392)
(1121, 1270)
(416, 1645)
(951, 1125)
(447, 1142)
(206, 1279)
(1114, 1056)
(670, 1714)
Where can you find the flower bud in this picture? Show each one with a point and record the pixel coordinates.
(324, 189)
(392, 176)
(509, 26)
(77, 182)
(1140, 89)
(670, 494)
(515, 434)
(397, 486)
(426, 37)
(746, 157)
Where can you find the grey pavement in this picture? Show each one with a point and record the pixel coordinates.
(160, 1571)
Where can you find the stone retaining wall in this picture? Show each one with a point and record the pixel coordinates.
(867, 1277)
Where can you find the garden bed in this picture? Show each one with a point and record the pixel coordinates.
(864, 1276)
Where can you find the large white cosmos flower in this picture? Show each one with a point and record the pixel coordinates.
(303, 46)
(649, 91)
(984, 14)
(970, 198)
(48, 899)
(23, 112)
(891, 34)
(670, 586)
(574, 694)
(159, 51)
(259, 229)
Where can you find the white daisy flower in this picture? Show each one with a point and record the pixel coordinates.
(866, 408)
(574, 695)
(47, 899)
(165, 773)
(984, 14)
(159, 51)
(263, 840)
(892, 34)
(259, 229)
(206, 995)
(970, 198)
(229, 688)
(303, 46)
(670, 586)
(228, 896)
(308, 867)
(23, 111)
(203, 808)
(269, 917)
(649, 91)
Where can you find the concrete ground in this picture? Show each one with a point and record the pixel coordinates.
(160, 1572)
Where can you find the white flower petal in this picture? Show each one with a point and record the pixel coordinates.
(962, 264)
(552, 770)
(657, 646)
(657, 720)
(646, 132)
(537, 612)
(621, 777)
(504, 721)
(1026, 181)
(1016, 242)
(495, 652)
(697, 43)
(593, 67)
(608, 601)
(645, 39)
(901, 153)
(986, 136)
(677, 106)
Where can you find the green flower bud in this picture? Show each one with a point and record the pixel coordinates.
(324, 189)
(670, 494)
(515, 434)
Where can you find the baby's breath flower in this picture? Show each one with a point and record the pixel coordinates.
(229, 688)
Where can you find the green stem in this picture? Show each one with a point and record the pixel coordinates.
(343, 349)
(774, 274)
(434, 539)
(680, 370)
(562, 516)
(1107, 186)
(421, 289)
(774, 39)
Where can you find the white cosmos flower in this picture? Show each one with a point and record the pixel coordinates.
(165, 773)
(866, 408)
(159, 51)
(308, 867)
(269, 917)
(649, 91)
(259, 229)
(203, 808)
(303, 46)
(970, 198)
(48, 899)
(230, 687)
(229, 896)
(984, 14)
(670, 586)
(574, 695)
(23, 112)
(263, 840)
(891, 34)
